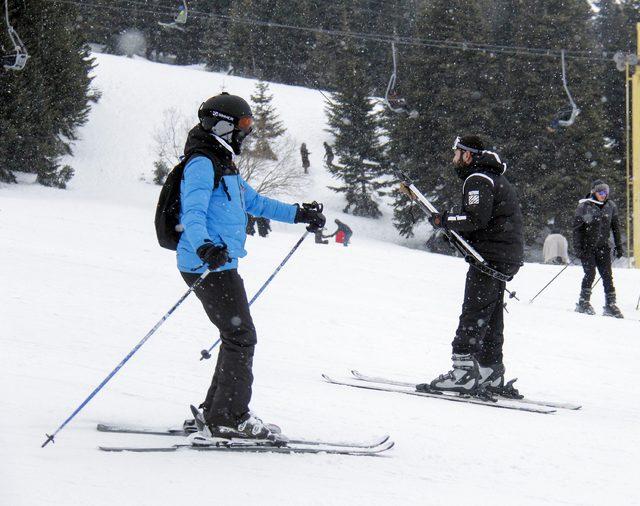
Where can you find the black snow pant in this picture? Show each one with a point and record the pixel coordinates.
(225, 301)
(480, 331)
(600, 258)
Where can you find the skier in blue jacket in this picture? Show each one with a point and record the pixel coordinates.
(215, 201)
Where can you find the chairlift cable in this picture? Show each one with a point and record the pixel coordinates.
(587, 55)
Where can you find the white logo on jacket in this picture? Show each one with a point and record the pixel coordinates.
(473, 197)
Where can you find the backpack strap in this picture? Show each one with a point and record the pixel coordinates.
(220, 168)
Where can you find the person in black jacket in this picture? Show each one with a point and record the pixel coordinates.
(596, 217)
(491, 222)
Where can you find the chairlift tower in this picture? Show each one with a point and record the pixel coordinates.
(633, 172)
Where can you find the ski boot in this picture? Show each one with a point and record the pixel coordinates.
(491, 381)
(248, 428)
(463, 377)
(583, 305)
(610, 308)
(191, 425)
(491, 376)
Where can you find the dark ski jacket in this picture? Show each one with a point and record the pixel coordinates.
(490, 218)
(593, 223)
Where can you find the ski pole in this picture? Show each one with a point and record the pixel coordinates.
(50, 438)
(597, 281)
(206, 354)
(638, 304)
(552, 280)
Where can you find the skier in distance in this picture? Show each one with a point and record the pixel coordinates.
(596, 217)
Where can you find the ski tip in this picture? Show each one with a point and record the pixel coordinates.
(355, 373)
(327, 378)
(194, 411)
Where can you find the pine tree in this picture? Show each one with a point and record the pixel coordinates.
(42, 105)
(271, 53)
(616, 33)
(267, 127)
(450, 90)
(551, 170)
(355, 127)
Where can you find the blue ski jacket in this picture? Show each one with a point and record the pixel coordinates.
(220, 214)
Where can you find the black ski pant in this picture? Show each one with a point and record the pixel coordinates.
(480, 331)
(225, 301)
(600, 258)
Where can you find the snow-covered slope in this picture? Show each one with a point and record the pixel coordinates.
(83, 280)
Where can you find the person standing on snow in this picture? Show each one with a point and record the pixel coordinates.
(304, 154)
(264, 226)
(345, 230)
(596, 217)
(328, 153)
(491, 221)
(215, 201)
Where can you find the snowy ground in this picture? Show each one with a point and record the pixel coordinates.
(83, 281)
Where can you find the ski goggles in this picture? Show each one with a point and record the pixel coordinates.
(245, 124)
(457, 144)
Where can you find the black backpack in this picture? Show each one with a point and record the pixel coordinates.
(167, 220)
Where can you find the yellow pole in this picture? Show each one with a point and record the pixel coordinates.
(635, 174)
(627, 128)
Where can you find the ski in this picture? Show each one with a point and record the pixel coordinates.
(157, 431)
(524, 400)
(496, 403)
(251, 447)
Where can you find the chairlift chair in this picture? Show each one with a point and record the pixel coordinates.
(17, 59)
(181, 18)
(565, 117)
(394, 102)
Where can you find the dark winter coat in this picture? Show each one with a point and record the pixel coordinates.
(592, 225)
(344, 227)
(490, 219)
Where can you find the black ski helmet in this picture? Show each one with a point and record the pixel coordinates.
(227, 116)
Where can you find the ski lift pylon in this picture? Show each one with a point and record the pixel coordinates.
(18, 58)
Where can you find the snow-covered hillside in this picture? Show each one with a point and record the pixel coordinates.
(83, 280)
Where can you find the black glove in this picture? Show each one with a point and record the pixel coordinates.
(438, 220)
(213, 255)
(618, 251)
(311, 214)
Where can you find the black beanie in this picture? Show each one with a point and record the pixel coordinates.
(472, 141)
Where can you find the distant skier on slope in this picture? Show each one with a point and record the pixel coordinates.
(491, 221)
(215, 201)
(344, 230)
(304, 155)
(596, 217)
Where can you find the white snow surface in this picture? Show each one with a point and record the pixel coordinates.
(83, 280)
